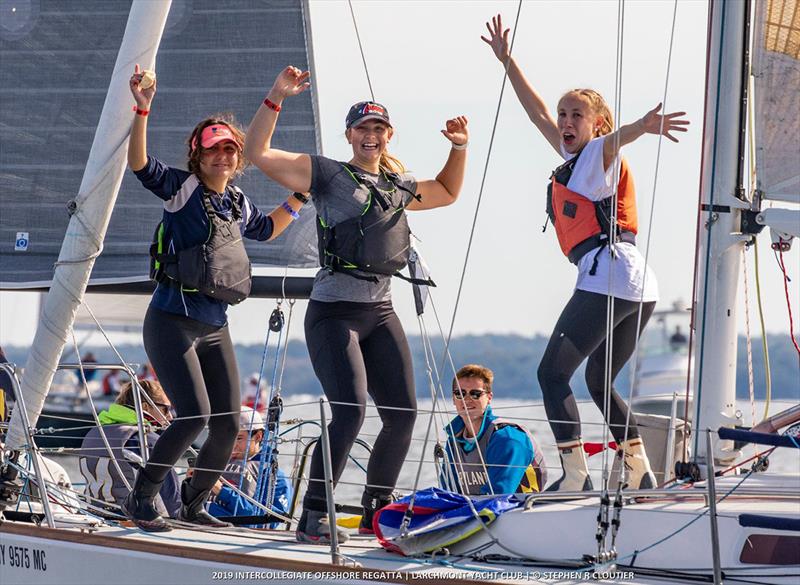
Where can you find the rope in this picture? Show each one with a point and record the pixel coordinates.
(764, 340)
(361, 48)
(264, 355)
(788, 300)
(748, 340)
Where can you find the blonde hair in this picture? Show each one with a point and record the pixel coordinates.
(228, 120)
(598, 106)
(475, 371)
(391, 164)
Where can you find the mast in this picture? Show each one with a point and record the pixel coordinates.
(721, 241)
(90, 212)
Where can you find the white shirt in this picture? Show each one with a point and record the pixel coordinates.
(625, 273)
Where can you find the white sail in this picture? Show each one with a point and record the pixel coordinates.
(92, 212)
(776, 73)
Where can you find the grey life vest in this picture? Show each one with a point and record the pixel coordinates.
(218, 268)
(249, 476)
(472, 475)
(377, 241)
(103, 482)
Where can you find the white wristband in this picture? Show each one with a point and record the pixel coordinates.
(455, 146)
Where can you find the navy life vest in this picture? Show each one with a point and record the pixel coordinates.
(218, 268)
(377, 241)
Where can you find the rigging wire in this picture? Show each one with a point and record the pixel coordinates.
(361, 48)
(650, 223)
(480, 190)
(446, 352)
(604, 554)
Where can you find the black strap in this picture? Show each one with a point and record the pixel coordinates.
(597, 241)
(412, 280)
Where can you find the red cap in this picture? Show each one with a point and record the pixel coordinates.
(213, 134)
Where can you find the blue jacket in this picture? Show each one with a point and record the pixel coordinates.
(229, 503)
(508, 455)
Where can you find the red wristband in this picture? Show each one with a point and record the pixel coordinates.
(272, 105)
(140, 112)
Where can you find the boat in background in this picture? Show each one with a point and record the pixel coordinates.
(663, 363)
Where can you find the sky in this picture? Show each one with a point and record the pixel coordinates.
(427, 64)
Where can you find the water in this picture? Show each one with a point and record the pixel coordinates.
(529, 413)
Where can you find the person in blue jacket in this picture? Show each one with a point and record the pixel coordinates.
(487, 454)
(201, 266)
(226, 500)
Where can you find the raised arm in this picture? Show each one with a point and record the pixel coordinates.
(532, 102)
(290, 169)
(445, 188)
(137, 146)
(651, 123)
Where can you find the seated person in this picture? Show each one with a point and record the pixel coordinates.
(103, 481)
(677, 341)
(512, 461)
(225, 499)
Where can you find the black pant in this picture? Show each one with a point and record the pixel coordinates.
(196, 364)
(581, 332)
(359, 349)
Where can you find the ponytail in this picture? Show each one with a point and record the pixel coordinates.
(391, 164)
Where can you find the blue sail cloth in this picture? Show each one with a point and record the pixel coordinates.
(440, 518)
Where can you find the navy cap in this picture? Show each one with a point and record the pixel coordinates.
(364, 111)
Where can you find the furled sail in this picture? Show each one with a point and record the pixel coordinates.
(776, 70)
(57, 59)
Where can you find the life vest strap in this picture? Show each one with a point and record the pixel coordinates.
(597, 240)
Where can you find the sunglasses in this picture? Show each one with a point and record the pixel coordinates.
(164, 408)
(474, 394)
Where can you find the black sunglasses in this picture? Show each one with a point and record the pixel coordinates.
(474, 394)
(164, 408)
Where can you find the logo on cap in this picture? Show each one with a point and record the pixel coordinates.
(370, 108)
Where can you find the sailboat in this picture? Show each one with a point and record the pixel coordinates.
(740, 526)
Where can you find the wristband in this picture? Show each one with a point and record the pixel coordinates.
(290, 211)
(272, 105)
(455, 146)
(300, 197)
(140, 112)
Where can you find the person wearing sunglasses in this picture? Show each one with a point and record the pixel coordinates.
(486, 454)
(104, 484)
(242, 472)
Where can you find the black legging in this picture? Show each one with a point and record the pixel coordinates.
(581, 332)
(359, 349)
(196, 364)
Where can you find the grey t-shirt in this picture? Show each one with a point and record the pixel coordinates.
(337, 197)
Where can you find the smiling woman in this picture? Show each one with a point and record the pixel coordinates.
(201, 267)
(356, 342)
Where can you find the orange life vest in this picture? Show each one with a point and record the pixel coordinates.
(583, 225)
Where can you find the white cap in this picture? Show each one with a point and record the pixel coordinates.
(250, 420)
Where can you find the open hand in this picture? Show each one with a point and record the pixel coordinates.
(498, 39)
(456, 130)
(143, 97)
(291, 81)
(655, 123)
